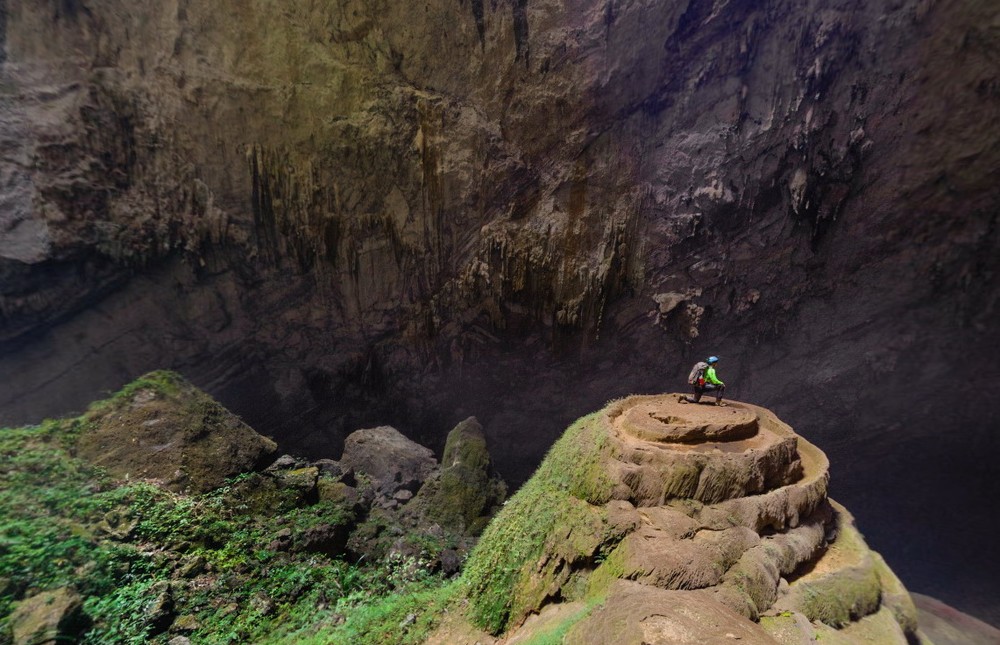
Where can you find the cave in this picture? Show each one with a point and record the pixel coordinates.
(343, 215)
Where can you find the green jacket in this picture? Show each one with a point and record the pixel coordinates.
(710, 376)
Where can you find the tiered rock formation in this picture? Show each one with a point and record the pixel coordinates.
(687, 523)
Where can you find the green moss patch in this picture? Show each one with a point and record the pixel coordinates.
(549, 528)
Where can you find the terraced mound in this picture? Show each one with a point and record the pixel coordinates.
(654, 521)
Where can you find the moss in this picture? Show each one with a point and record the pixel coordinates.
(896, 597)
(163, 382)
(555, 634)
(467, 492)
(847, 593)
(401, 619)
(610, 570)
(551, 514)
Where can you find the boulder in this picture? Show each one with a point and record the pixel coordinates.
(159, 612)
(468, 491)
(330, 539)
(284, 462)
(50, 616)
(332, 469)
(389, 459)
(161, 427)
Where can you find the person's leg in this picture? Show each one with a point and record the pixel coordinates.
(697, 394)
(720, 390)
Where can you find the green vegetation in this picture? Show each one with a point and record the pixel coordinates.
(254, 561)
(555, 634)
(553, 514)
(401, 619)
(847, 593)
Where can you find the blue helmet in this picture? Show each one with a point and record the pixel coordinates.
(712, 359)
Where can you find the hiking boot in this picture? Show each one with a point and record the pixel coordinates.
(721, 404)
(683, 399)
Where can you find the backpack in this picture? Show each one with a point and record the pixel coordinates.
(697, 375)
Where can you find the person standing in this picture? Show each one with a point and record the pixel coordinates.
(704, 379)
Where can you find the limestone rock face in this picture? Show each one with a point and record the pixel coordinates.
(591, 543)
(332, 215)
(163, 428)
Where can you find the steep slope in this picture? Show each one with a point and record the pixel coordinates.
(340, 213)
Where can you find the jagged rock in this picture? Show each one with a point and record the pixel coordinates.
(159, 612)
(337, 492)
(50, 616)
(301, 480)
(161, 427)
(450, 562)
(192, 566)
(282, 540)
(392, 461)
(333, 469)
(185, 624)
(330, 539)
(262, 604)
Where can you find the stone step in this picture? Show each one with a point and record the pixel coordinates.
(666, 450)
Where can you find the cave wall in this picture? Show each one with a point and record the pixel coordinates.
(332, 214)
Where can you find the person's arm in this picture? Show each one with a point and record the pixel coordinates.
(710, 377)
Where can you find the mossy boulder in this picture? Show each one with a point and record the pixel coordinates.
(467, 491)
(526, 553)
(162, 428)
(50, 616)
(840, 586)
